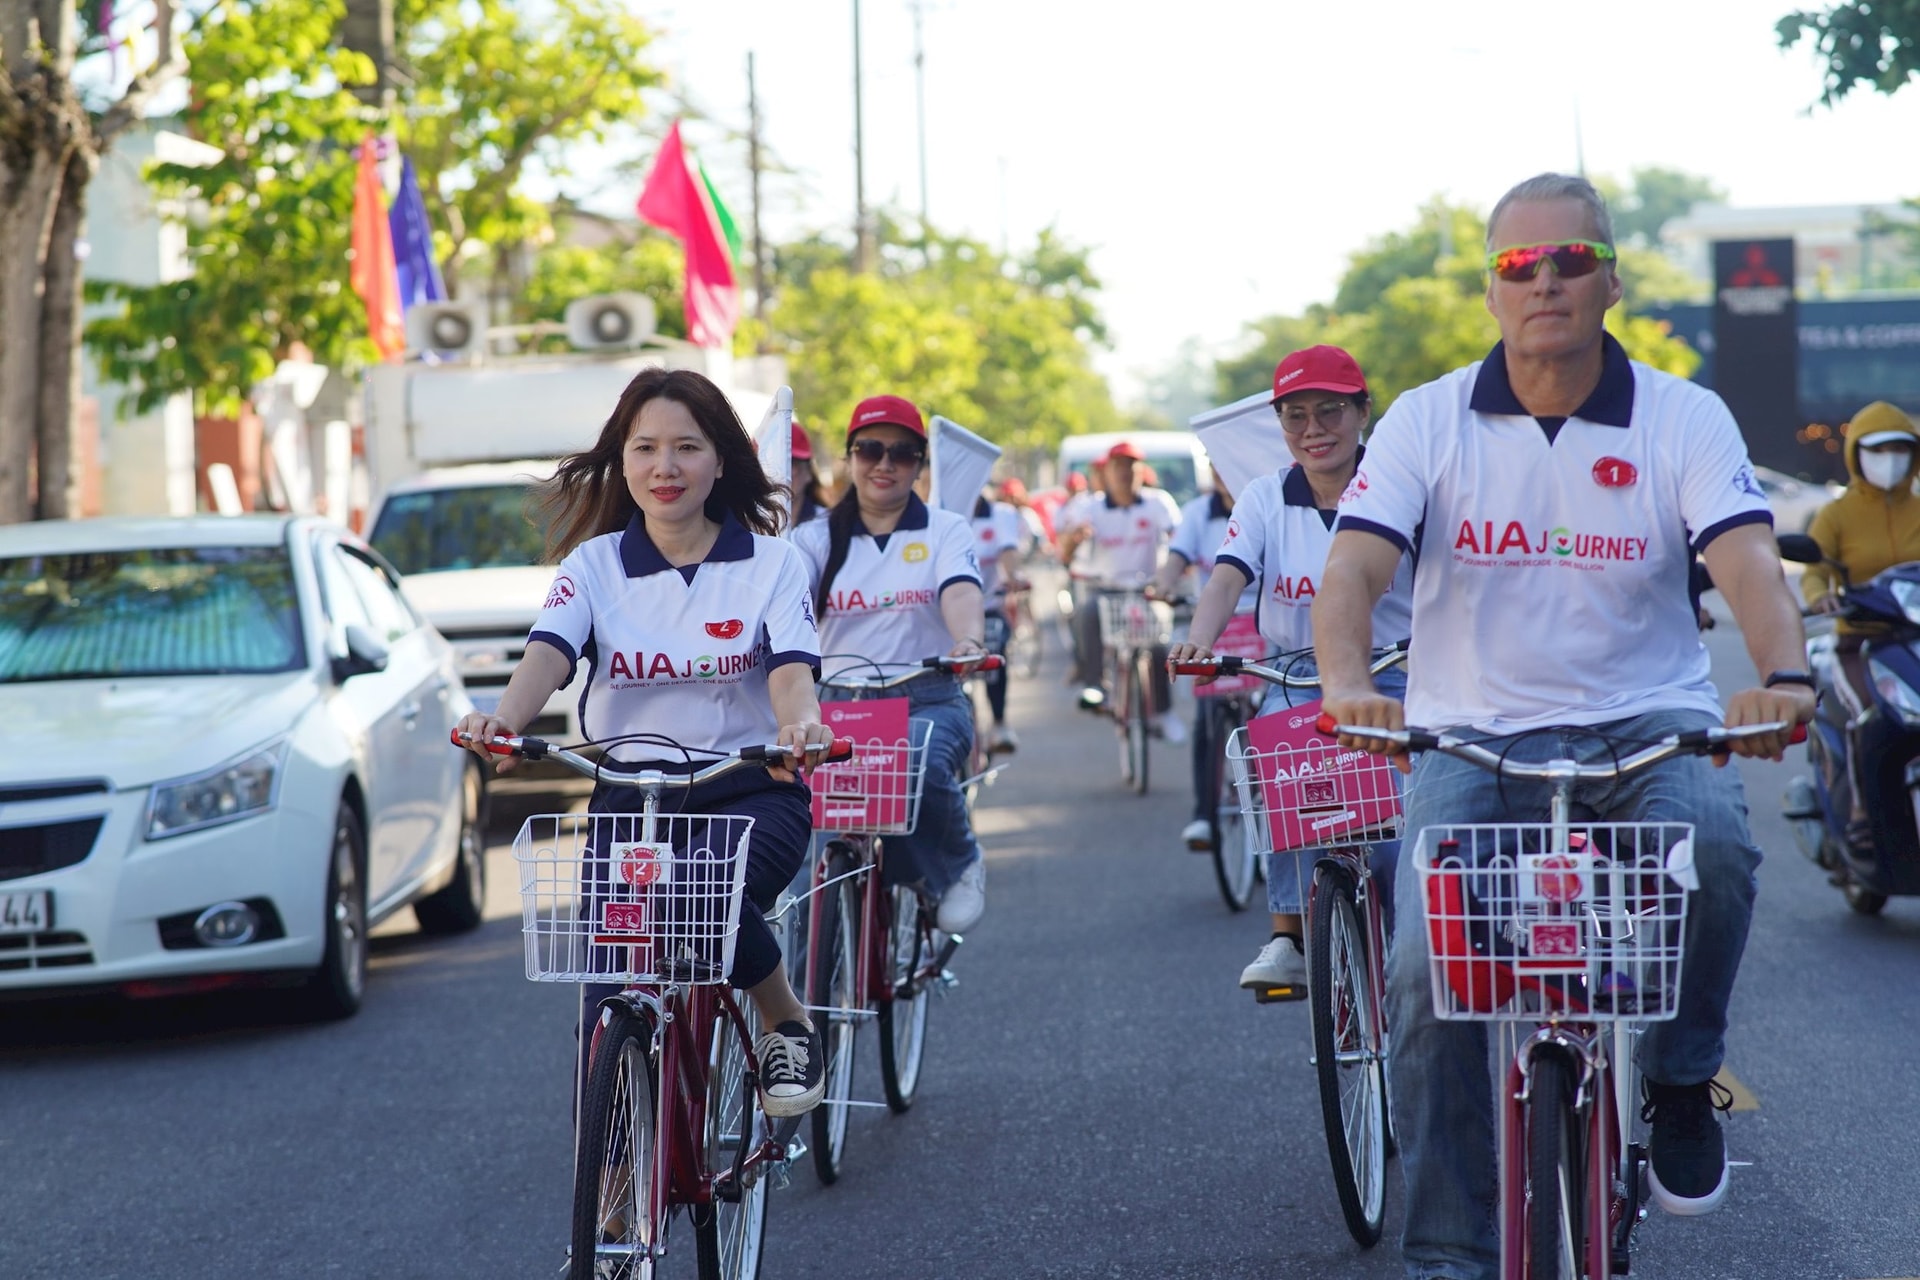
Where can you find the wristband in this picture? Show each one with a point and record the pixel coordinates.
(1788, 677)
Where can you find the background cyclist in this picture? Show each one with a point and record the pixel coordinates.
(1278, 538)
(896, 581)
(696, 622)
(998, 533)
(1564, 491)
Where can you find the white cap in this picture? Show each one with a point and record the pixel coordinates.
(1879, 438)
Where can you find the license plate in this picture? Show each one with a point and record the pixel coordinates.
(30, 912)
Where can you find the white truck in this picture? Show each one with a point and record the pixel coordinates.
(454, 451)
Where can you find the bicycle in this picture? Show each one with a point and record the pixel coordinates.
(1026, 642)
(1314, 795)
(1570, 937)
(1132, 627)
(1226, 704)
(665, 1118)
(873, 952)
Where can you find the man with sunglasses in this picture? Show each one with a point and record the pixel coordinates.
(1563, 491)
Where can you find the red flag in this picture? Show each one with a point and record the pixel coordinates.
(676, 201)
(373, 274)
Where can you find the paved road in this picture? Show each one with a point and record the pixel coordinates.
(1100, 1100)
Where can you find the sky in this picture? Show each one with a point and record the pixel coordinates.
(1222, 159)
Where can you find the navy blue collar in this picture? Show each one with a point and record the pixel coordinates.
(1139, 496)
(914, 517)
(641, 559)
(1295, 490)
(1610, 404)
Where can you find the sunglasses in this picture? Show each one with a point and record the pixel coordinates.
(903, 452)
(1295, 417)
(1570, 258)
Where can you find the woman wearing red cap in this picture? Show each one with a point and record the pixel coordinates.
(1281, 531)
(809, 502)
(896, 581)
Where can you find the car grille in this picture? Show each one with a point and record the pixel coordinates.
(60, 949)
(29, 851)
(51, 790)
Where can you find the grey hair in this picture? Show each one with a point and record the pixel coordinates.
(1556, 186)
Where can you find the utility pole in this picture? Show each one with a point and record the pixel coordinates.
(920, 106)
(862, 233)
(753, 167)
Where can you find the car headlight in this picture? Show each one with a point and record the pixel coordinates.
(1900, 695)
(1908, 596)
(238, 789)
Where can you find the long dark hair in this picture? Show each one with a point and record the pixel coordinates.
(588, 493)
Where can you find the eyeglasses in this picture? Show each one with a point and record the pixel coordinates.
(903, 452)
(1571, 259)
(1295, 417)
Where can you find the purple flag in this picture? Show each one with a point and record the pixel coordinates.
(413, 243)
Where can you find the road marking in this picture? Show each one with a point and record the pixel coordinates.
(1743, 1099)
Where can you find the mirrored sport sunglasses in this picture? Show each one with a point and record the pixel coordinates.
(1570, 258)
(903, 452)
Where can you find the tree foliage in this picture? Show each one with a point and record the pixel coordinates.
(1655, 197)
(1860, 42)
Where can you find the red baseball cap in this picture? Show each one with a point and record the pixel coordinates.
(875, 410)
(1013, 487)
(1076, 482)
(1318, 369)
(802, 447)
(1125, 449)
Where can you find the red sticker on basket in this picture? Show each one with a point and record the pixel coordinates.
(624, 917)
(1554, 939)
(1313, 789)
(643, 864)
(868, 792)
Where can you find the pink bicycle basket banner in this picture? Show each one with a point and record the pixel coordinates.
(873, 790)
(1241, 639)
(1314, 790)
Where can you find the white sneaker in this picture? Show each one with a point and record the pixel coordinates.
(1171, 728)
(1198, 836)
(963, 904)
(1278, 971)
(1002, 741)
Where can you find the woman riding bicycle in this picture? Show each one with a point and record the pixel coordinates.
(896, 582)
(1281, 530)
(696, 622)
(997, 530)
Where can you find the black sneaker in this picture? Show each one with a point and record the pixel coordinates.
(1687, 1157)
(793, 1075)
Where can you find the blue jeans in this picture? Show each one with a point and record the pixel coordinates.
(1442, 1094)
(941, 844)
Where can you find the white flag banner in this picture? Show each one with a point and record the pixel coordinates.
(1243, 440)
(773, 441)
(962, 464)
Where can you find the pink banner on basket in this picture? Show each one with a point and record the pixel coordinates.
(1241, 639)
(1314, 790)
(868, 792)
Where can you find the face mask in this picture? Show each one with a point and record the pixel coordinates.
(1885, 468)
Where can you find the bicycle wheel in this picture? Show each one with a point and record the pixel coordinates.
(1347, 1054)
(1138, 718)
(1027, 647)
(1556, 1175)
(1234, 860)
(832, 984)
(1120, 690)
(619, 1215)
(729, 1230)
(903, 1019)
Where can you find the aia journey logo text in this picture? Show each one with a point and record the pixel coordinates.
(1495, 542)
(661, 666)
(850, 601)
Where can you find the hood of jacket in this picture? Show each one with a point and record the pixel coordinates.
(1876, 419)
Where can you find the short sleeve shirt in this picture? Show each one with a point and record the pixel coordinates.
(1552, 583)
(884, 605)
(1001, 529)
(1202, 528)
(682, 652)
(1126, 542)
(1279, 538)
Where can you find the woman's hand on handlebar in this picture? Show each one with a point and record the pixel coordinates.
(1375, 711)
(1828, 603)
(479, 728)
(968, 647)
(1791, 704)
(1187, 651)
(800, 738)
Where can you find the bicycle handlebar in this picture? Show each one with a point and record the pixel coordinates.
(1232, 666)
(529, 748)
(1697, 742)
(957, 666)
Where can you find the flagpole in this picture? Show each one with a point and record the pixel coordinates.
(753, 167)
(862, 236)
(920, 106)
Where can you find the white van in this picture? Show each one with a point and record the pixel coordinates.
(1179, 463)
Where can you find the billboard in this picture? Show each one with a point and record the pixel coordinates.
(1757, 346)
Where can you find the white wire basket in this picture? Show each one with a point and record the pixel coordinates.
(1590, 931)
(1313, 796)
(1129, 620)
(877, 792)
(619, 898)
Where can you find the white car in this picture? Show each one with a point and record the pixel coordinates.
(227, 758)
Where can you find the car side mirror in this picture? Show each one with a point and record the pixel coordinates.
(364, 654)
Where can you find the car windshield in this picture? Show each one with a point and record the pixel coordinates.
(476, 527)
(171, 611)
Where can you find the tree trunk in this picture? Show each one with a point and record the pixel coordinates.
(60, 341)
(28, 193)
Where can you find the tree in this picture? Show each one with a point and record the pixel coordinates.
(1656, 197)
(51, 142)
(1859, 42)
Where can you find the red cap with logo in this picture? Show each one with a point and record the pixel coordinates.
(1125, 449)
(1318, 369)
(894, 410)
(802, 447)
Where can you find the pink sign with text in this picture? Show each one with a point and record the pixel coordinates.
(869, 792)
(1315, 791)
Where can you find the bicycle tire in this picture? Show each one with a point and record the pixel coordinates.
(1121, 686)
(1348, 1056)
(1138, 731)
(730, 1231)
(1028, 643)
(618, 1126)
(903, 1018)
(1556, 1173)
(832, 982)
(1234, 861)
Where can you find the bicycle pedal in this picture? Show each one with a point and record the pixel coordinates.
(1278, 995)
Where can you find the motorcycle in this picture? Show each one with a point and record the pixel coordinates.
(1877, 750)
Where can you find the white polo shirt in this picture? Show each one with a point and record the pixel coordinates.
(680, 652)
(1203, 527)
(999, 530)
(1552, 585)
(884, 605)
(1279, 538)
(1126, 542)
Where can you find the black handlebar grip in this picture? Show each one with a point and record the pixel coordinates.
(1422, 740)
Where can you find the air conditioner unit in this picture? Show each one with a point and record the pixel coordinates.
(610, 322)
(447, 330)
